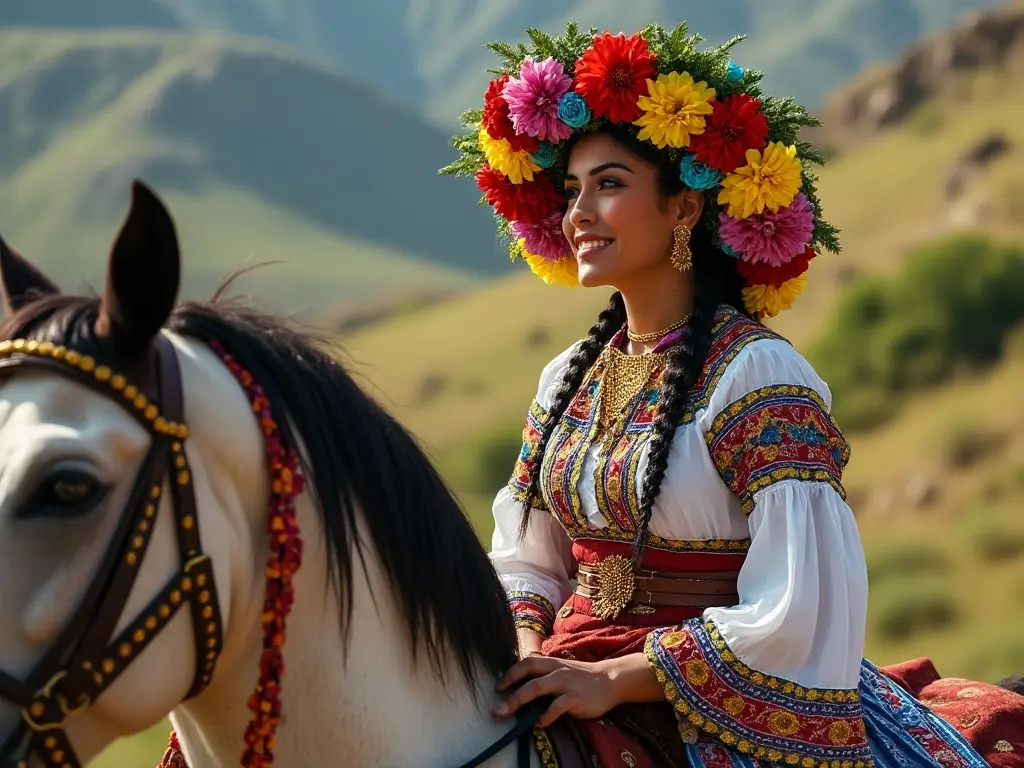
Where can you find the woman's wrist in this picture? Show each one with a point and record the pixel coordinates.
(632, 679)
(529, 642)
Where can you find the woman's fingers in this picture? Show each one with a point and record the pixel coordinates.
(550, 684)
(560, 706)
(532, 666)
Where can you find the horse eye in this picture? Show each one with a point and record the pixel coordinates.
(71, 491)
(66, 493)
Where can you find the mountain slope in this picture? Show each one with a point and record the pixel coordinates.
(81, 113)
(429, 53)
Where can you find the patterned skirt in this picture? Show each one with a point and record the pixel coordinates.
(912, 717)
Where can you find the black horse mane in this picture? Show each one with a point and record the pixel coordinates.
(356, 457)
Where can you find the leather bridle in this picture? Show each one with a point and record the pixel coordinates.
(84, 661)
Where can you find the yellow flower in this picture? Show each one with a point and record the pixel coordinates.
(561, 272)
(769, 180)
(767, 300)
(500, 156)
(674, 109)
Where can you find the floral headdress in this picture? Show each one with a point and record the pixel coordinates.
(729, 140)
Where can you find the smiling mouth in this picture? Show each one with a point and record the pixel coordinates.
(591, 245)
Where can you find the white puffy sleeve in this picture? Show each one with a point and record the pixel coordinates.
(777, 675)
(536, 571)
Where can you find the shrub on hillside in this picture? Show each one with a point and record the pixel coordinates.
(991, 535)
(954, 303)
(494, 455)
(903, 559)
(906, 607)
(965, 444)
(1000, 655)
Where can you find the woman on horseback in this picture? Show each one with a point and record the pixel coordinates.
(681, 463)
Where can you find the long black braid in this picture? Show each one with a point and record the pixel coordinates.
(717, 282)
(685, 363)
(583, 358)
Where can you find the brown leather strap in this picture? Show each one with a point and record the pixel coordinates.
(672, 585)
(207, 631)
(668, 589)
(567, 744)
(669, 600)
(84, 660)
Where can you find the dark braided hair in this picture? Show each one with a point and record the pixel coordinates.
(583, 357)
(717, 282)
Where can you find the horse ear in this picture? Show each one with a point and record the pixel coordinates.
(142, 276)
(20, 281)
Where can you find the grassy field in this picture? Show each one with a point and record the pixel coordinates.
(82, 113)
(222, 229)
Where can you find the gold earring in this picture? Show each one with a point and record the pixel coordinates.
(682, 258)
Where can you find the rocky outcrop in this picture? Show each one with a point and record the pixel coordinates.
(985, 40)
(974, 160)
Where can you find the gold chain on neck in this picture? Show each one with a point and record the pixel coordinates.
(647, 338)
(624, 376)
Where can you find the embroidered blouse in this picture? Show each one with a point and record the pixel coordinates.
(755, 466)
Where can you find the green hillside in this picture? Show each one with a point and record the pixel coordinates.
(428, 53)
(260, 152)
(268, 154)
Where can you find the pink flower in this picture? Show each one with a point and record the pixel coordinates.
(773, 238)
(544, 239)
(533, 97)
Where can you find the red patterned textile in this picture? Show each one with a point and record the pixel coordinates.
(777, 433)
(656, 735)
(761, 716)
(532, 611)
(519, 482)
(579, 635)
(990, 717)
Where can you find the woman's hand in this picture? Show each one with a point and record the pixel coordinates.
(585, 690)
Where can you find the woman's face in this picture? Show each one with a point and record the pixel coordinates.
(619, 225)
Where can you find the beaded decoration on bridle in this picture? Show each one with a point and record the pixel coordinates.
(82, 663)
(284, 560)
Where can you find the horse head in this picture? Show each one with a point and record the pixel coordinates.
(149, 534)
(94, 546)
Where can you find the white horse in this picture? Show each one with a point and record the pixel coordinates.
(399, 628)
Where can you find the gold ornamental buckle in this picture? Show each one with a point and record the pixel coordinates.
(615, 589)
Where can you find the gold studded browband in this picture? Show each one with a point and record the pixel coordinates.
(84, 661)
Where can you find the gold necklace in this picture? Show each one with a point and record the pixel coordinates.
(647, 338)
(623, 378)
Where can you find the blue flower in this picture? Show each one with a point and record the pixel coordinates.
(729, 251)
(545, 154)
(734, 72)
(573, 110)
(697, 175)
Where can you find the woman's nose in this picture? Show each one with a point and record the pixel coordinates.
(580, 212)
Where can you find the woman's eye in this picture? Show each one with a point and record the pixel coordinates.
(65, 494)
(603, 183)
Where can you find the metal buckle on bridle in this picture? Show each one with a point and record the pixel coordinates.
(88, 654)
(43, 700)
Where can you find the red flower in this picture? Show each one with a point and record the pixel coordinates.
(760, 273)
(529, 202)
(498, 123)
(612, 75)
(735, 125)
